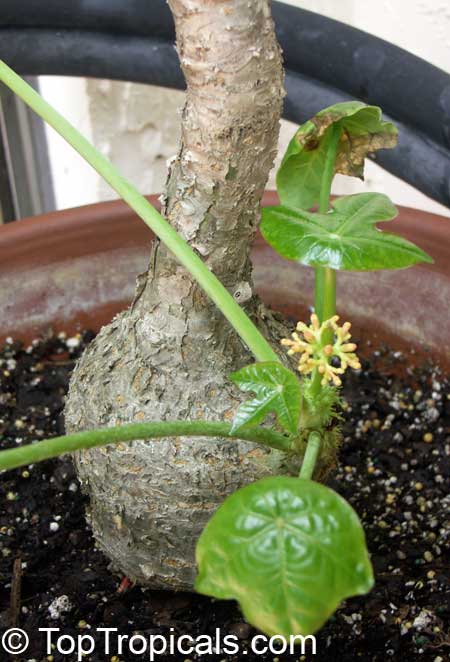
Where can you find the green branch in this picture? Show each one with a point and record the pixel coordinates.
(329, 168)
(311, 455)
(325, 306)
(44, 450)
(324, 277)
(182, 251)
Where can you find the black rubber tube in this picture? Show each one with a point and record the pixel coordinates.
(138, 17)
(34, 52)
(408, 88)
(417, 159)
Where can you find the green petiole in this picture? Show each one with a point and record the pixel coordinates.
(182, 251)
(325, 278)
(324, 287)
(49, 448)
(311, 455)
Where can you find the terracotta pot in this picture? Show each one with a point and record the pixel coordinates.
(76, 268)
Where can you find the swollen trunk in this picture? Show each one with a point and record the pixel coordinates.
(169, 355)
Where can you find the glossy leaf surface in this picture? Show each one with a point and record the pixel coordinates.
(363, 131)
(276, 389)
(289, 550)
(345, 238)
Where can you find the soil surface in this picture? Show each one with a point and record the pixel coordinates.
(394, 471)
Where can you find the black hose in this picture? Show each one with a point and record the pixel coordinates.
(34, 52)
(365, 67)
(417, 159)
(135, 17)
(326, 62)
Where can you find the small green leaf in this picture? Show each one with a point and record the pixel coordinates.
(344, 238)
(277, 390)
(289, 550)
(363, 132)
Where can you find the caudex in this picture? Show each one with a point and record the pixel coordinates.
(288, 549)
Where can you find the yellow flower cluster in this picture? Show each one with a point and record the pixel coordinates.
(316, 355)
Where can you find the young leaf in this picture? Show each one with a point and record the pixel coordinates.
(289, 550)
(362, 132)
(344, 238)
(276, 390)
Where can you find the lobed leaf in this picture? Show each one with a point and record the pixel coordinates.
(289, 550)
(277, 390)
(363, 132)
(344, 238)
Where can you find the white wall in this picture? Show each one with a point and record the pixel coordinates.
(74, 181)
(137, 127)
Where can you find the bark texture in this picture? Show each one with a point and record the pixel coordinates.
(170, 354)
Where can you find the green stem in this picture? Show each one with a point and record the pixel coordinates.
(325, 277)
(311, 455)
(316, 383)
(327, 280)
(44, 450)
(325, 293)
(182, 251)
(329, 168)
(327, 284)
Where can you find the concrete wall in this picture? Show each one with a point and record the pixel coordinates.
(137, 126)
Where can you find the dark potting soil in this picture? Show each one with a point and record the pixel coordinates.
(394, 470)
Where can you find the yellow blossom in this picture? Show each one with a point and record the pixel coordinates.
(307, 341)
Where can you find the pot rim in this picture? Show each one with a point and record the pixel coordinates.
(110, 234)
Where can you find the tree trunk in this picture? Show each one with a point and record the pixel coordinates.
(169, 355)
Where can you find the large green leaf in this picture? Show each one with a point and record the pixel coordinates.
(277, 390)
(362, 132)
(289, 550)
(344, 238)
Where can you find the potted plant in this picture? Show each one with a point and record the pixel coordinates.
(151, 497)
